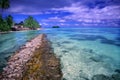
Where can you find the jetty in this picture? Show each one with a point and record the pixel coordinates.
(34, 61)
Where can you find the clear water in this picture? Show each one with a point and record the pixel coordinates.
(83, 52)
(11, 42)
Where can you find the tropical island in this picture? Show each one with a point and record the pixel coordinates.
(8, 24)
(86, 47)
(28, 24)
(55, 26)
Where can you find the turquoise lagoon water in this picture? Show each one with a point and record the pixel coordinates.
(11, 42)
(83, 52)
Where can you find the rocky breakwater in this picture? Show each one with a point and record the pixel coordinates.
(34, 61)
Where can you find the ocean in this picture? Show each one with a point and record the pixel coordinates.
(83, 52)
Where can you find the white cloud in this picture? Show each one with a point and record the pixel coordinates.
(85, 14)
(16, 9)
(22, 10)
(54, 19)
(80, 12)
(45, 24)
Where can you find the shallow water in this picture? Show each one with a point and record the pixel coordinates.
(83, 52)
(11, 42)
(87, 52)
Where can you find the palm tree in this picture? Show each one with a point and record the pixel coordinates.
(4, 4)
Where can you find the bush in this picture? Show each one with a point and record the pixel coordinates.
(31, 23)
(9, 20)
(3, 25)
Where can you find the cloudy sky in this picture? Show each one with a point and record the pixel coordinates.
(67, 13)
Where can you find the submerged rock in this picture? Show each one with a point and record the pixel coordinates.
(95, 58)
(117, 70)
(116, 77)
(43, 65)
(64, 79)
(83, 76)
(104, 77)
(88, 50)
(100, 77)
(65, 51)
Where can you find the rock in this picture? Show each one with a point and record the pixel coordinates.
(83, 79)
(16, 63)
(40, 55)
(17, 75)
(43, 65)
(10, 75)
(83, 76)
(64, 51)
(57, 75)
(64, 79)
(88, 50)
(117, 70)
(95, 59)
(116, 76)
(100, 77)
(6, 58)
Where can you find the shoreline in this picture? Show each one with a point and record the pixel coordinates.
(19, 31)
(35, 58)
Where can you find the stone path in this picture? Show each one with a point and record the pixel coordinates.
(19, 64)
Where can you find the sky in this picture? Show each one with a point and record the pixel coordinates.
(67, 13)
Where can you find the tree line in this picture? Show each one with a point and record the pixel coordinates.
(7, 22)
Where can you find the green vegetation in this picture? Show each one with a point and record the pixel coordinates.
(55, 27)
(31, 23)
(6, 24)
(21, 23)
(9, 20)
